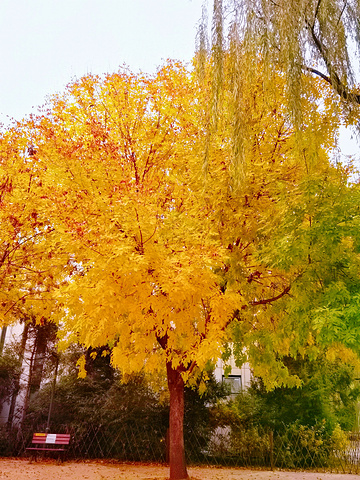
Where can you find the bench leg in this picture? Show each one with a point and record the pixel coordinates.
(33, 457)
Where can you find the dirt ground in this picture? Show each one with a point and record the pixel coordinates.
(23, 469)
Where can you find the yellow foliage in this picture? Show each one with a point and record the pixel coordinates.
(29, 248)
(338, 351)
(81, 364)
(160, 248)
(340, 439)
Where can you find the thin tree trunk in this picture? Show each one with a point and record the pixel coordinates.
(2, 339)
(24, 338)
(176, 423)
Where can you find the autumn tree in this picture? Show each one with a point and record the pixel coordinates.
(31, 261)
(26, 266)
(170, 247)
(123, 191)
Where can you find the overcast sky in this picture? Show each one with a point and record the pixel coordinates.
(44, 44)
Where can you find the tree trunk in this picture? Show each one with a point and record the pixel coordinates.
(41, 343)
(44, 336)
(176, 423)
(2, 339)
(24, 338)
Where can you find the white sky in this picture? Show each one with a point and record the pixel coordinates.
(44, 44)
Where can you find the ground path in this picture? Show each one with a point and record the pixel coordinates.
(23, 469)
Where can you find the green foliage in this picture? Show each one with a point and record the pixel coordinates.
(300, 446)
(198, 407)
(339, 439)
(99, 398)
(289, 428)
(322, 224)
(10, 369)
(326, 397)
(308, 423)
(9, 442)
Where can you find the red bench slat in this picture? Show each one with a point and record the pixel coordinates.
(51, 439)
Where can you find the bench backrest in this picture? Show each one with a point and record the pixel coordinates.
(51, 438)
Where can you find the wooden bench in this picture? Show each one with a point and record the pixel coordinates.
(48, 442)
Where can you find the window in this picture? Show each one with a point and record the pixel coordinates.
(234, 382)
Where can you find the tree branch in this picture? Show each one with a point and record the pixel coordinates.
(273, 299)
(316, 11)
(337, 85)
(333, 78)
(342, 11)
(162, 340)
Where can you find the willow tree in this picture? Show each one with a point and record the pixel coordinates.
(297, 42)
(309, 242)
(317, 37)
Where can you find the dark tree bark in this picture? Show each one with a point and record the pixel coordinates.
(178, 469)
(41, 344)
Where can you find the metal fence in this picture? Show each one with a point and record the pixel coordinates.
(294, 448)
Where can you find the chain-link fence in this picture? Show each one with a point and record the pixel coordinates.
(296, 447)
(132, 442)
